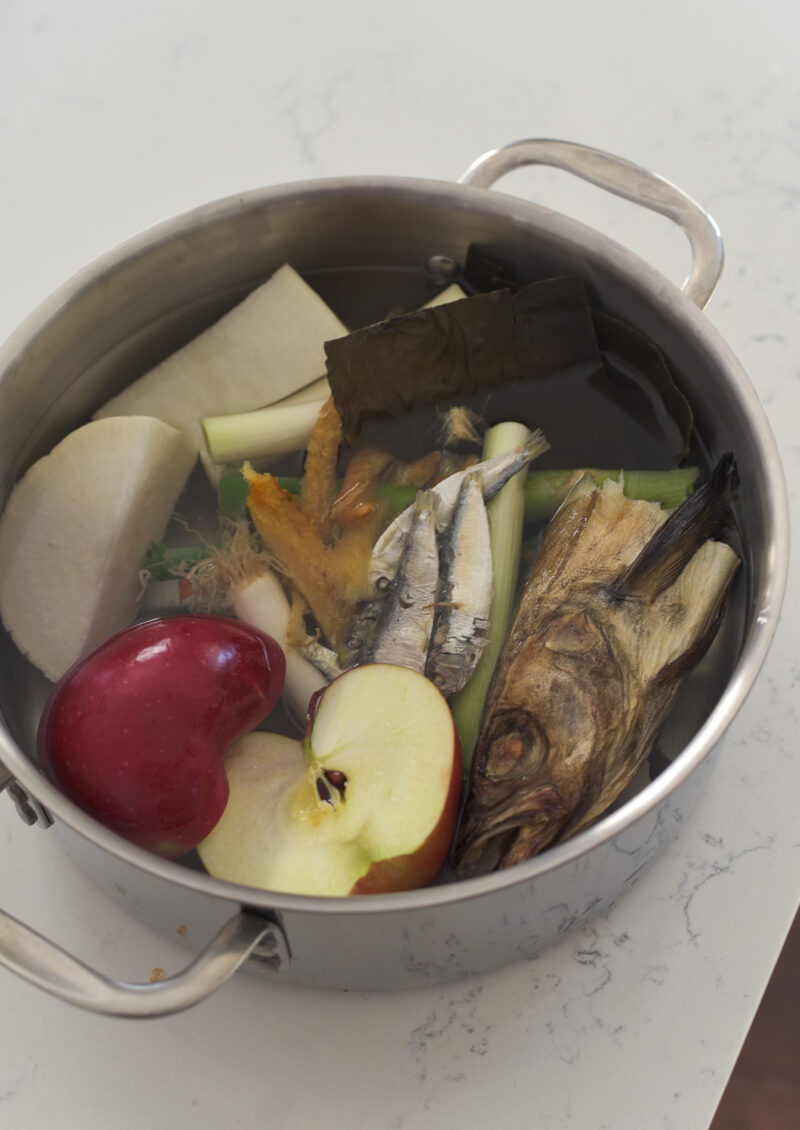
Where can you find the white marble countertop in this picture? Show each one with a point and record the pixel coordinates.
(114, 116)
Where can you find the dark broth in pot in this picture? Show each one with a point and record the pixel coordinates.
(609, 417)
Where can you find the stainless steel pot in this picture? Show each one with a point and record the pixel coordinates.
(132, 307)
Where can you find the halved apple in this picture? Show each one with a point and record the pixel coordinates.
(365, 804)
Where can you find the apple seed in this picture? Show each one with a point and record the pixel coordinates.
(337, 778)
(323, 792)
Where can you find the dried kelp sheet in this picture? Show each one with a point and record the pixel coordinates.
(435, 355)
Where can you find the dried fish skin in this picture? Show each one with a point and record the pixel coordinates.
(360, 632)
(461, 624)
(493, 473)
(444, 586)
(603, 633)
(403, 628)
(323, 658)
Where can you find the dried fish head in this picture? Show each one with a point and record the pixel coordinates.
(621, 601)
(534, 770)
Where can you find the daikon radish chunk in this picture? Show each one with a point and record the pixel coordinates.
(75, 531)
(266, 348)
(278, 427)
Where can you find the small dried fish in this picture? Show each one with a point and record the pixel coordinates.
(493, 474)
(461, 625)
(323, 658)
(620, 603)
(403, 626)
(459, 425)
(360, 631)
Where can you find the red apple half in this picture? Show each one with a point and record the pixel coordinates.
(367, 803)
(136, 732)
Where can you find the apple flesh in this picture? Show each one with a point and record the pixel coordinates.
(136, 731)
(366, 803)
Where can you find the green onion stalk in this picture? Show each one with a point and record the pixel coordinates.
(544, 491)
(506, 513)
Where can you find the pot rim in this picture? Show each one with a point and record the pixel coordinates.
(691, 322)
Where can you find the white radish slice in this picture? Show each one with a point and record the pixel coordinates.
(264, 349)
(75, 530)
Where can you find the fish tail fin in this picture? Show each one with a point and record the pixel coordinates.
(535, 445)
(705, 515)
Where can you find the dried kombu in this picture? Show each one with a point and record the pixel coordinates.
(477, 343)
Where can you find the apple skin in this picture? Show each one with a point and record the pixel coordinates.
(136, 731)
(366, 804)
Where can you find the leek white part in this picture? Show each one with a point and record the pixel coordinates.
(506, 513)
(265, 348)
(278, 428)
(75, 531)
(262, 604)
(263, 434)
(451, 293)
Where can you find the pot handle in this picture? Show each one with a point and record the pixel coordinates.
(623, 179)
(43, 963)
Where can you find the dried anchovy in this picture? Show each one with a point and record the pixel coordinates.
(461, 626)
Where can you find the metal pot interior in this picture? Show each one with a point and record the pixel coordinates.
(364, 246)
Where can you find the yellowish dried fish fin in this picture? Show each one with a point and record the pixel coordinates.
(296, 632)
(352, 554)
(356, 498)
(294, 540)
(318, 487)
(416, 474)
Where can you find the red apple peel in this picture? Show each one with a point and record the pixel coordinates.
(136, 731)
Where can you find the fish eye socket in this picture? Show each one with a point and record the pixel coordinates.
(517, 746)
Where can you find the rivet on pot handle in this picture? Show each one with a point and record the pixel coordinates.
(28, 808)
(623, 179)
(45, 964)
